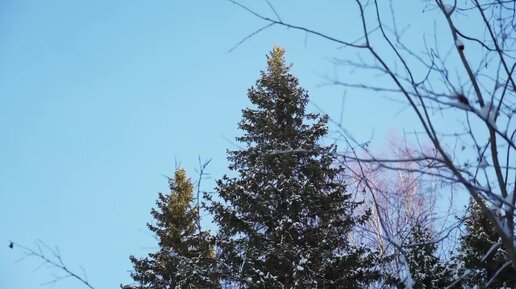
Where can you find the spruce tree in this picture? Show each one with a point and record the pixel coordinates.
(479, 238)
(427, 270)
(285, 216)
(185, 258)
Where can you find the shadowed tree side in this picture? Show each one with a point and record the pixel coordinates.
(185, 258)
(482, 254)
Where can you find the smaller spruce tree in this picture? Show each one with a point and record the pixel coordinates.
(427, 270)
(479, 238)
(185, 258)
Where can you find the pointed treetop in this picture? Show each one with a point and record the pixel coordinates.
(180, 175)
(276, 59)
(182, 192)
(185, 257)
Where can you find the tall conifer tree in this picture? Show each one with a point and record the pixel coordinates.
(285, 217)
(185, 258)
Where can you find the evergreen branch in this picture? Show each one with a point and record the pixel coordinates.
(500, 270)
(289, 151)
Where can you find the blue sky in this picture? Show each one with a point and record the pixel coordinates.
(100, 99)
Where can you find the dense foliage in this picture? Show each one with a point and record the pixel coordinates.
(427, 270)
(482, 255)
(185, 258)
(285, 217)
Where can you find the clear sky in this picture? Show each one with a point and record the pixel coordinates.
(100, 99)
